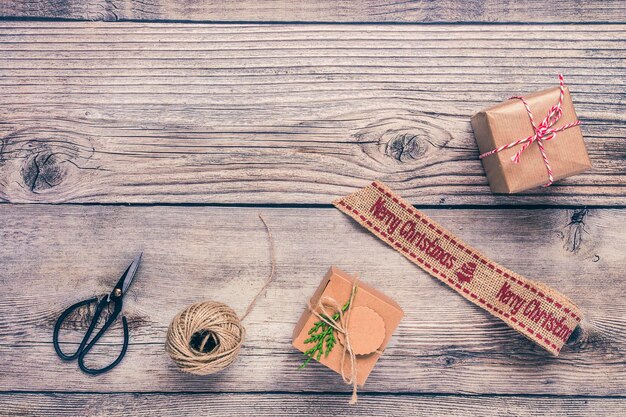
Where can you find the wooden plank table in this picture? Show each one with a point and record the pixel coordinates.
(169, 126)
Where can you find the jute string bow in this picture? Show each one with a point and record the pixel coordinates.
(544, 131)
(325, 309)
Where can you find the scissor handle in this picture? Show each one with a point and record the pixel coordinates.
(85, 344)
(59, 323)
(81, 356)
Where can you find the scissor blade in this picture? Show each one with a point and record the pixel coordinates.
(130, 273)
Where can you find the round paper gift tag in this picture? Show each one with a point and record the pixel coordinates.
(367, 330)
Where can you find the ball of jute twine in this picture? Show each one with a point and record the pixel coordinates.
(219, 329)
(206, 337)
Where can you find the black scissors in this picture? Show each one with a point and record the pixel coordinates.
(103, 302)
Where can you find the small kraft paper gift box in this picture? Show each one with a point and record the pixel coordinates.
(529, 141)
(343, 305)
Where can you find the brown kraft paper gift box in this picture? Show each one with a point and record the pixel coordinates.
(509, 121)
(373, 319)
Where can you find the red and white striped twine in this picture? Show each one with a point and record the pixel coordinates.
(543, 131)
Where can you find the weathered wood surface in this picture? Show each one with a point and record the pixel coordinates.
(562, 11)
(52, 256)
(151, 113)
(254, 405)
(298, 114)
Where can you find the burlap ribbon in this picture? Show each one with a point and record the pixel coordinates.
(538, 312)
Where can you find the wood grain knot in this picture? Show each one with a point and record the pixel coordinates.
(39, 159)
(448, 360)
(80, 319)
(404, 137)
(575, 230)
(576, 336)
(42, 171)
(452, 357)
(588, 336)
(405, 147)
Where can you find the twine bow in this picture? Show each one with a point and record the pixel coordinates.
(544, 131)
(324, 310)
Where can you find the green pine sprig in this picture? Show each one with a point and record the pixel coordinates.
(322, 334)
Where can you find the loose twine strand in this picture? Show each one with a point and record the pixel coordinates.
(217, 324)
(321, 311)
(269, 279)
